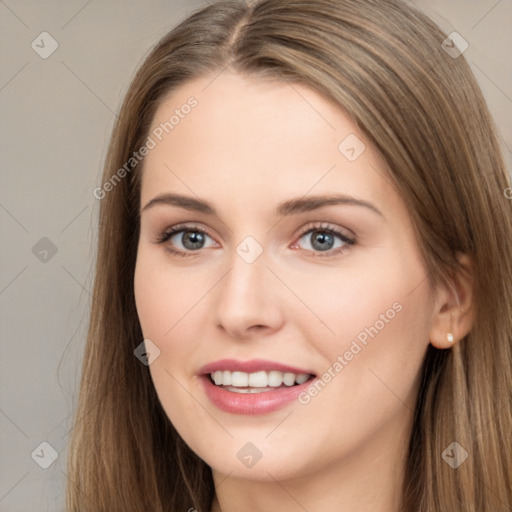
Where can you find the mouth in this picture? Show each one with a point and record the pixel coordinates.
(253, 387)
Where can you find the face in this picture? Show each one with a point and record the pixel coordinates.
(273, 247)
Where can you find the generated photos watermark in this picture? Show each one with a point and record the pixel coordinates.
(356, 346)
(150, 143)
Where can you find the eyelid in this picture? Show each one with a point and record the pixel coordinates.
(319, 226)
(169, 231)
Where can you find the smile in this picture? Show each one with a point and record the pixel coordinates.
(253, 387)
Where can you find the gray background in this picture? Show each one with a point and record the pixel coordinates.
(56, 118)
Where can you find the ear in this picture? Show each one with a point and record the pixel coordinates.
(454, 309)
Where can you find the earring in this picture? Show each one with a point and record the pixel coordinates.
(449, 335)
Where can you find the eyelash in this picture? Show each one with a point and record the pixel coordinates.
(323, 228)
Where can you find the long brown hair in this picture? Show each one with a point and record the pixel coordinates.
(384, 63)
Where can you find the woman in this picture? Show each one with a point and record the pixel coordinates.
(304, 274)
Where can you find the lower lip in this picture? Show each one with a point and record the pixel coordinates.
(252, 403)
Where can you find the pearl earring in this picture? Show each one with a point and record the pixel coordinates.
(449, 335)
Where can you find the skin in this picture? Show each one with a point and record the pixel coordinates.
(247, 146)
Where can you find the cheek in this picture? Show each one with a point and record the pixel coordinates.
(375, 315)
(164, 306)
(170, 302)
(345, 304)
(164, 301)
(381, 319)
(164, 294)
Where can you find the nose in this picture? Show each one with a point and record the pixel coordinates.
(248, 301)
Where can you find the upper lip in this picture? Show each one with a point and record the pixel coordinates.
(251, 366)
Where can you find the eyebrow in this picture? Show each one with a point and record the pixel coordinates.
(289, 207)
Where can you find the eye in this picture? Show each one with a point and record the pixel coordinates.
(186, 238)
(325, 239)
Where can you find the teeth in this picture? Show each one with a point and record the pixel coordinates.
(260, 379)
(301, 378)
(238, 379)
(226, 378)
(275, 379)
(217, 378)
(289, 379)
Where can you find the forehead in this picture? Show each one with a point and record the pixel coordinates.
(245, 139)
(252, 111)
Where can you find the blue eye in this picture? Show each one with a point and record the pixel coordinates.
(326, 240)
(190, 237)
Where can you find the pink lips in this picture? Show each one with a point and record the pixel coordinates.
(250, 403)
(254, 365)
